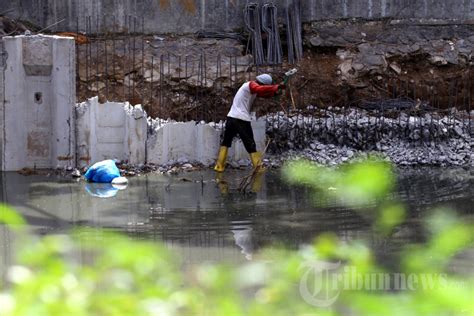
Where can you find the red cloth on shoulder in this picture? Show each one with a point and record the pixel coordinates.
(265, 91)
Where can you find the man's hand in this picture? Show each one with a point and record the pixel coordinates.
(281, 86)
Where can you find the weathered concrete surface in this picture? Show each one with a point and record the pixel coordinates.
(3, 59)
(183, 142)
(175, 142)
(119, 131)
(184, 16)
(110, 131)
(39, 97)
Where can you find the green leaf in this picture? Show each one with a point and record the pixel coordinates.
(10, 217)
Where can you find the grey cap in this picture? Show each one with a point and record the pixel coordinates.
(265, 79)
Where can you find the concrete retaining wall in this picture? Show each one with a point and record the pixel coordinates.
(110, 131)
(120, 131)
(195, 142)
(39, 97)
(185, 16)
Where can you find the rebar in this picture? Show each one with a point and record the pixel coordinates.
(407, 99)
(253, 26)
(294, 32)
(133, 56)
(270, 26)
(106, 63)
(151, 82)
(97, 42)
(114, 96)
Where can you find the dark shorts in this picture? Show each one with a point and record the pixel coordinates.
(243, 129)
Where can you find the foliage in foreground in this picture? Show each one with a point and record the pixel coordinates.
(125, 277)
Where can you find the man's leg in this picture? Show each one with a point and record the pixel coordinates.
(229, 134)
(246, 134)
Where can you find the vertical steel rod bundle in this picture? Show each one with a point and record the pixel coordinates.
(294, 32)
(270, 27)
(253, 25)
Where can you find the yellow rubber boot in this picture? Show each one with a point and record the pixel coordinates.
(256, 158)
(221, 159)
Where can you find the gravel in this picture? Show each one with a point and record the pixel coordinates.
(335, 137)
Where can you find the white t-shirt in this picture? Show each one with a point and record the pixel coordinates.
(242, 104)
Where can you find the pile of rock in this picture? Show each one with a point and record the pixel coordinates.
(374, 58)
(336, 136)
(367, 48)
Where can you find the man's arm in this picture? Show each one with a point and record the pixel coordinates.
(265, 91)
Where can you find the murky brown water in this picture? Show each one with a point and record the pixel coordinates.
(191, 214)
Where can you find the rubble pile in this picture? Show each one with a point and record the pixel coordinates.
(336, 136)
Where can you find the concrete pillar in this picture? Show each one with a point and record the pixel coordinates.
(40, 95)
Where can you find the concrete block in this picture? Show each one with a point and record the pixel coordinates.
(178, 141)
(210, 138)
(110, 131)
(136, 133)
(154, 146)
(193, 142)
(83, 133)
(38, 102)
(38, 55)
(112, 135)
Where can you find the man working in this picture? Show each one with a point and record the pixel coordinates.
(238, 119)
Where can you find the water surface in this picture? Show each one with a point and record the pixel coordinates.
(191, 214)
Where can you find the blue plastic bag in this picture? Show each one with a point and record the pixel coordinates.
(103, 172)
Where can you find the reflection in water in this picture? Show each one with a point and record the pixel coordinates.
(103, 190)
(191, 215)
(243, 239)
